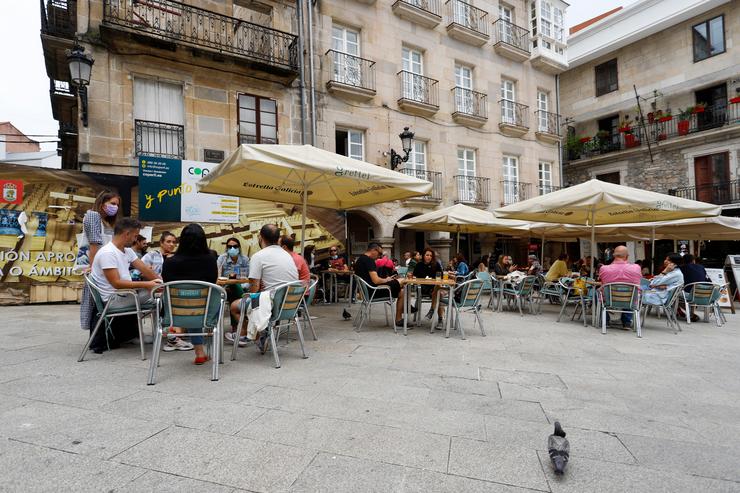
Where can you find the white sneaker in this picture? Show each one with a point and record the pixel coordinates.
(178, 344)
(229, 336)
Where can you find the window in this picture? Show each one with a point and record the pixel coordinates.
(546, 15)
(613, 177)
(466, 161)
(506, 34)
(606, 77)
(464, 89)
(508, 96)
(346, 66)
(709, 38)
(533, 19)
(418, 158)
(511, 179)
(542, 105)
(257, 120)
(463, 14)
(609, 125)
(558, 24)
(159, 118)
(467, 187)
(544, 182)
(414, 87)
(350, 143)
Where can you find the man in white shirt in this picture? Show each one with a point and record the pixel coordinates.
(268, 268)
(110, 269)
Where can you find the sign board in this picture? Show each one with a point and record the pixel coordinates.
(213, 155)
(717, 276)
(733, 263)
(11, 191)
(167, 192)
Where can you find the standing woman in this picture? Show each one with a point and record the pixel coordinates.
(155, 258)
(310, 257)
(97, 231)
(234, 265)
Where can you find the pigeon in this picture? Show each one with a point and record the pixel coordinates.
(346, 315)
(559, 449)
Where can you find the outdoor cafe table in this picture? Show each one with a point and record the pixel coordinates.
(224, 281)
(333, 273)
(418, 283)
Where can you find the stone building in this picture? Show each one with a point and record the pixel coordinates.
(680, 61)
(476, 84)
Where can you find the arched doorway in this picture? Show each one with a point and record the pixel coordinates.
(360, 230)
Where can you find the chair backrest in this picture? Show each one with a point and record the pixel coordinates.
(286, 300)
(621, 296)
(675, 294)
(367, 291)
(526, 285)
(700, 293)
(486, 278)
(94, 292)
(402, 271)
(191, 304)
(312, 288)
(470, 292)
(718, 290)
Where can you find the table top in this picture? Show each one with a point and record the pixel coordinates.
(429, 282)
(224, 281)
(337, 271)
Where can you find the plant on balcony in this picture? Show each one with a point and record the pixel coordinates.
(602, 135)
(699, 108)
(583, 140)
(630, 140)
(665, 117)
(735, 100)
(683, 120)
(625, 125)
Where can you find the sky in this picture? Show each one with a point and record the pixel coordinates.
(24, 86)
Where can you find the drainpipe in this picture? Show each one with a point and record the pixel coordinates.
(312, 94)
(301, 70)
(560, 142)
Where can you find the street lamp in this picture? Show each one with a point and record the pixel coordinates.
(80, 66)
(407, 139)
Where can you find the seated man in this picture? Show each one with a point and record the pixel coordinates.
(692, 272)
(287, 243)
(366, 269)
(558, 269)
(269, 267)
(111, 269)
(621, 270)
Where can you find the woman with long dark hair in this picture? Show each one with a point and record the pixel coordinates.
(428, 268)
(155, 259)
(235, 265)
(192, 262)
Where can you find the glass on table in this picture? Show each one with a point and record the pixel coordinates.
(438, 276)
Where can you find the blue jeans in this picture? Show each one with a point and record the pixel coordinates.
(626, 318)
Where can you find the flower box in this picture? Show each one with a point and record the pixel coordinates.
(698, 109)
(662, 136)
(664, 119)
(683, 127)
(630, 141)
(735, 100)
(583, 140)
(625, 130)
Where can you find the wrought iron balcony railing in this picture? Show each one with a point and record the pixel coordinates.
(205, 29)
(656, 129)
(352, 70)
(511, 34)
(473, 190)
(433, 176)
(59, 18)
(721, 193)
(514, 191)
(513, 113)
(470, 102)
(159, 139)
(542, 189)
(465, 15)
(431, 6)
(547, 122)
(415, 87)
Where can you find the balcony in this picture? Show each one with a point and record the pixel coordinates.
(514, 191)
(545, 189)
(467, 23)
(63, 101)
(549, 51)
(473, 190)
(351, 76)
(435, 196)
(511, 41)
(548, 127)
(721, 193)
(58, 27)
(423, 12)
(658, 131)
(181, 31)
(514, 118)
(470, 107)
(159, 139)
(419, 94)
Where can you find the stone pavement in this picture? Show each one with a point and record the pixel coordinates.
(376, 411)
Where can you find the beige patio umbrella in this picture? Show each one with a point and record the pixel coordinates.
(600, 203)
(307, 175)
(461, 218)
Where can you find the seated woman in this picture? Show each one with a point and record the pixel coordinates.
(504, 266)
(429, 267)
(461, 267)
(192, 262)
(155, 259)
(662, 285)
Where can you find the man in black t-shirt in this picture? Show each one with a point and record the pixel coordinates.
(365, 269)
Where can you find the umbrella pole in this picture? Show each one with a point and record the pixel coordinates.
(652, 251)
(303, 221)
(542, 253)
(458, 240)
(593, 243)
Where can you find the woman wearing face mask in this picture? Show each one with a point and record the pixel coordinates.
(234, 265)
(97, 231)
(155, 258)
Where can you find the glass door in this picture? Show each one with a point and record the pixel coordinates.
(508, 96)
(347, 68)
(464, 92)
(413, 82)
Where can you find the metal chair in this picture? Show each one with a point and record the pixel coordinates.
(308, 300)
(379, 295)
(402, 271)
(668, 307)
(286, 300)
(552, 290)
(580, 296)
(703, 295)
(469, 300)
(488, 285)
(621, 298)
(522, 292)
(190, 305)
(106, 314)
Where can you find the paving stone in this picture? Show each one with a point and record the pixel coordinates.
(169, 483)
(481, 404)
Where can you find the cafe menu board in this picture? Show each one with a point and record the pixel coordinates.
(717, 276)
(168, 192)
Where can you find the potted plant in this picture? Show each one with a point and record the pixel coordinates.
(735, 100)
(625, 125)
(583, 140)
(574, 147)
(699, 107)
(666, 117)
(683, 120)
(602, 135)
(662, 136)
(630, 140)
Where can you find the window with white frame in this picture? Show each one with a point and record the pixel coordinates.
(413, 67)
(464, 89)
(508, 98)
(159, 118)
(467, 185)
(350, 142)
(506, 14)
(543, 124)
(418, 158)
(544, 182)
(511, 179)
(346, 42)
(546, 16)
